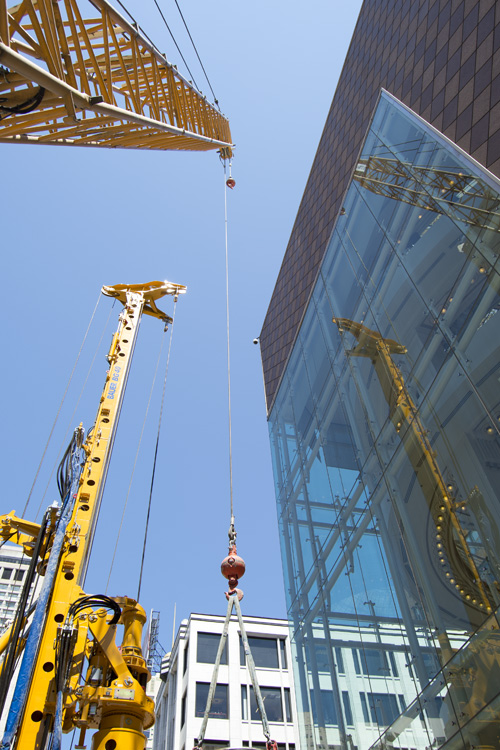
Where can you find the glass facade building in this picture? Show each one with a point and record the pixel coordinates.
(386, 454)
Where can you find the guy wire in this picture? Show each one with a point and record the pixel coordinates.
(156, 454)
(70, 421)
(60, 407)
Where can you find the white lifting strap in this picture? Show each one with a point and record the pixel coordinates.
(233, 602)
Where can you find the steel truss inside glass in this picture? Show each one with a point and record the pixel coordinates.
(386, 451)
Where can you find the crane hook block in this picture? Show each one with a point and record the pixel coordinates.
(232, 567)
(230, 182)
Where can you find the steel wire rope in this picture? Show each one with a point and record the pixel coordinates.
(156, 454)
(230, 440)
(197, 55)
(173, 39)
(59, 409)
(175, 42)
(135, 461)
(70, 420)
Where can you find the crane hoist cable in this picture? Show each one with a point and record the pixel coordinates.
(233, 566)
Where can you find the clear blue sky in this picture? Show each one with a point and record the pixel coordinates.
(75, 219)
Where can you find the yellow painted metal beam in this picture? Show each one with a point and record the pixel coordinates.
(78, 68)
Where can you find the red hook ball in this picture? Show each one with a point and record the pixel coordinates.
(230, 182)
(232, 566)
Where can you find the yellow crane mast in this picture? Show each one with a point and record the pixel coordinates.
(73, 674)
(77, 73)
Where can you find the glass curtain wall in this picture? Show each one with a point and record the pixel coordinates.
(386, 451)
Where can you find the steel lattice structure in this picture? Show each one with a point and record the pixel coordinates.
(76, 72)
(460, 196)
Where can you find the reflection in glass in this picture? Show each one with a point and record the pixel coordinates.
(386, 453)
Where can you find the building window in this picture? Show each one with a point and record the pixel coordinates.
(373, 662)
(340, 660)
(264, 652)
(219, 708)
(379, 708)
(185, 658)
(208, 643)
(183, 710)
(328, 714)
(214, 744)
(272, 699)
(6, 573)
(394, 668)
(19, 574)
(283, 653)
(288, 705)
(347, 709)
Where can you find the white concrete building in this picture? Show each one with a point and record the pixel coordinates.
(360, 678)
(234, 720)
(13, 566)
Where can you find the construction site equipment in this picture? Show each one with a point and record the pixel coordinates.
(73, 674)
(77, 73)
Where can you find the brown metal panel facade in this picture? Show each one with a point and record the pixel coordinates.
(439, 57)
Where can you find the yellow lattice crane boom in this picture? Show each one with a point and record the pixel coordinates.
(76, 72)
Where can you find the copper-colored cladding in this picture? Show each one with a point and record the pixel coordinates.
(232, 567)
(438, 57)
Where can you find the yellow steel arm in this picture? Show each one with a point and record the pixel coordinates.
(72, 565)
(451, 544)
(76, 72)
(18, 531)
(24, 533)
